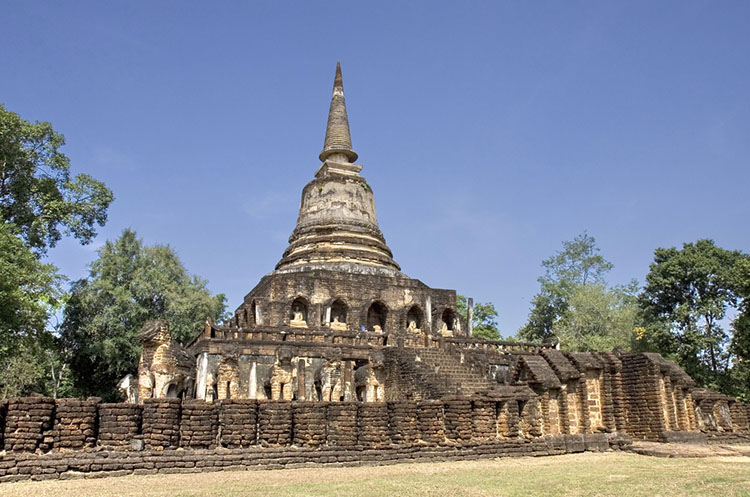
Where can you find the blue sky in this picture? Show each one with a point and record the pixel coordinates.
(489, 131)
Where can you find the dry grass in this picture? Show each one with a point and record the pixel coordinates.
(589, 474)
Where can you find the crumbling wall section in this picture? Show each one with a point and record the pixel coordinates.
(739, 414)
(199, 425)
(309, 420)
(238, 419)
(430, 419)
(508, 422)
(372, 421)
(3, 411)
(161, 423)
(614, 411)
(645, 414)
(402, 422)
(28, 424)
(457, 418)
(342, 424)
(75, 423)
(275, 423)
(484, 419)
(119, 424)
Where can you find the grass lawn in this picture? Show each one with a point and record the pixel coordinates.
(589, 474)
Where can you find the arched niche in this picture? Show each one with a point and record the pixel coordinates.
(376, 316)
(448, 319)
(414, 319)
(338, 315)
(298, 313)
(172, 391)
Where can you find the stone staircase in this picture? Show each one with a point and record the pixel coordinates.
(462, 377)
(434, 374)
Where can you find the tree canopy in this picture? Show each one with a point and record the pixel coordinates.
(128, 284)
(598, 318)
(484, 324)
(37, 193)
(575, 304)
(39, 203)
(30, 292)
(685, 302)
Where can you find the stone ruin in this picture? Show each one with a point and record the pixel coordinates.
(337, 356)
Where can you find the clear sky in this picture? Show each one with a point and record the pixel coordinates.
(489, 131)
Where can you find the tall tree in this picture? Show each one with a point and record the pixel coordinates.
(37, 192)
(578, 263)
(484, 323)
(688, 292)
(739, 347)
(598, 318)
(30, 291)
(39, 203)
(128, 284)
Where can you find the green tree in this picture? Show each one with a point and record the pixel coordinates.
(739, 347)
(598, 318)
(39, 202)
(578, 263)
(128, 284)
(37, 193)
(688, 292)
(30, 292)
(484, 324)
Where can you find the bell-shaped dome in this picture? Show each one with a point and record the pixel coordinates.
(337, 227)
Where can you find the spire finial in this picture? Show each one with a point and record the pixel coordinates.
(338, 81)
(338, 142)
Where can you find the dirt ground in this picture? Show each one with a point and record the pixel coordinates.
(617, 474)
(688, 450)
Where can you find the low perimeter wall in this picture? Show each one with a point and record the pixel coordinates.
(103, 463)
(45, 439)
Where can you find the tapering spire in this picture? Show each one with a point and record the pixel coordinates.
(338, 142)
(337, 228)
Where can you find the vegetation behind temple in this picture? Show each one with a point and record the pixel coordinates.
(95, 345)
(694, 307)
(127, 285)
(484, 324)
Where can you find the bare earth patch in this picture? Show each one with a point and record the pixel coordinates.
(588, 474)
(659, 449)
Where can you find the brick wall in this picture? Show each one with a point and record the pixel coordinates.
(124, 437)
(161, 423)
(640, 381)
(119, 424)
(402, 422)
(238, 419)
(28, 424)
(199, 425)
(3, 410)
(37, 424)
(75, 423)
(79, 464)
